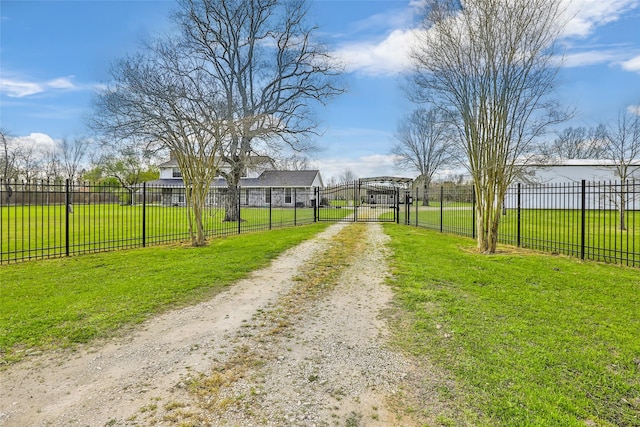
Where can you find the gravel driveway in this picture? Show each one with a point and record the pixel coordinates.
(262, 353)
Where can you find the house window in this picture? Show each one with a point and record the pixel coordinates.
(287, 195)
(177, 173)
(267, 195)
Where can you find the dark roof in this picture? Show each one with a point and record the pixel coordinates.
(270, 178)
(304, 178)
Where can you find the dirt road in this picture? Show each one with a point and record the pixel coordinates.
(269, 351)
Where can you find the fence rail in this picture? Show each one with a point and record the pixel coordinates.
(589, 220)
(44, 219)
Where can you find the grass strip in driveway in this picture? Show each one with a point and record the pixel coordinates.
(312, 282)
(531, 339)
(57, 303)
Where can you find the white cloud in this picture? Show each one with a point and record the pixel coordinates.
(61, 83)
(632, 64)
(17, 89)
(634, 109)
(39, 141)
(387, 57)
(584, 16)
(390, 55)
(20, 88)
(594, 57)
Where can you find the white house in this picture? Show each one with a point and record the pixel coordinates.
(260, 186)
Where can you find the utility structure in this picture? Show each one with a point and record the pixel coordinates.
(376, 199)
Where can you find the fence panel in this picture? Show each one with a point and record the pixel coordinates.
(447, 209)
(590, 220)
(53, 219)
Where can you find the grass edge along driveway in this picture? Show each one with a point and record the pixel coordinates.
(57, 303)
(530, 339)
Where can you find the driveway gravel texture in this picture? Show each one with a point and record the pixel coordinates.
(303, 342)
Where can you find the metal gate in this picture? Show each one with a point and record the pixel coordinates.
(358, 201)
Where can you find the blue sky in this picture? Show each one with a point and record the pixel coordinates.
(54, 53)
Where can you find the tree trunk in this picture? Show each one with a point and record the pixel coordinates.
(231, 205)
(196, 196)
(425, 192)
(200, 237)
(7, 186)
(488, 213)
(622, 207)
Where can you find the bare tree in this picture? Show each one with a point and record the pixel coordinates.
(72, 154)
(424, 145)
(262, 55)
(163, 99)
(8, 163)
(294, 162)
(28, 161)
(492, 64)
(52, 164)
(576, 143)
(346, 177)
(623, 148)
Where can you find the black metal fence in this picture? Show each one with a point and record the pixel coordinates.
(589, 220)
(358, 202)
(52, 219)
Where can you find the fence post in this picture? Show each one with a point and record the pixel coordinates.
(583, 212)
(397, 207)
(239, 216)
(417, 203)
(270, 205)
(67, 206)
(355, 207)
(441, 207)
(144, 214)
(519, 227)
(316, 194)
(407, 208)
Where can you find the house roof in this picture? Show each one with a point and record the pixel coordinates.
(269, 178)
(171, 163)
(304, 178)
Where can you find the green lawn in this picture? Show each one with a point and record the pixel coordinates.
(551, 230)
(60, 302)
(531, 339)
(40, 231)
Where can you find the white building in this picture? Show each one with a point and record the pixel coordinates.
(559, 186)
(576, 170)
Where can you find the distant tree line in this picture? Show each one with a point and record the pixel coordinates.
(74, 159)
